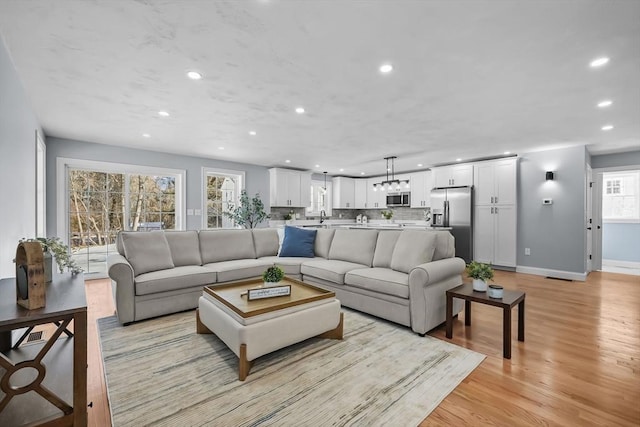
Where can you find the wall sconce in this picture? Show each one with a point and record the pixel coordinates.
(549, 176)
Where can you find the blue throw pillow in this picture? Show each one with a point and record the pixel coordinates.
(298, 242)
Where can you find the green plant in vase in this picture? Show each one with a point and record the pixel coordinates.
(53, 247)
(272, 275)
(387, 214)
(480, 273)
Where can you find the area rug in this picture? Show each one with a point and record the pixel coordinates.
(160, 372)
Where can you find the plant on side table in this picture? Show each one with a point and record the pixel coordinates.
(54, 248)
(272, 275)
(480, 273)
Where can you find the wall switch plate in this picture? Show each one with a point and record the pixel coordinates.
(189, 211)
(197, 212)
(547, 201)
(297, 216)
(527, 251)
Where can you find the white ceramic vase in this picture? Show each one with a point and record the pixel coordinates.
(479, 285)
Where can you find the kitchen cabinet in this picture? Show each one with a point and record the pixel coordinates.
(343, 193)
(495, 235)
(495, 182)
(376, 199)
(421, 184)
(360, 197)
(288, 187)
(453, 176)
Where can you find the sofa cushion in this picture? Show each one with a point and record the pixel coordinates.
(298, 242)
(184, 246)
(384, 247)
(323, 242)
(146, 251)
(290, 265)
(445, 245)
(265, 241)
(382, 280)
(225, 245)
(355, 246)
(238, 269)
(330, 270)
(413, 248)
(173, 279)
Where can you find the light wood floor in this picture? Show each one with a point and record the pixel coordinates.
(579, 364)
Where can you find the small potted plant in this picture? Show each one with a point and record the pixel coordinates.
(387, 214)
(54, 248)
(480, 273)
(272, 275)
(288, 217)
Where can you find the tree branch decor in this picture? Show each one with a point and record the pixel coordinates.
(249, 213)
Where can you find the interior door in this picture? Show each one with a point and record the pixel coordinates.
(589, 219)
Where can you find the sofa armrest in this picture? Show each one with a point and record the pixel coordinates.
(121, 274)
(435, 271)
(428, 284)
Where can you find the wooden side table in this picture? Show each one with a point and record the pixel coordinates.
(507, 302)
(45, 383)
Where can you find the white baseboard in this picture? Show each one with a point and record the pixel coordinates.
(546, 272)
(617, 263)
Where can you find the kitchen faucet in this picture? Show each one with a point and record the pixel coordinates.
(323, 215)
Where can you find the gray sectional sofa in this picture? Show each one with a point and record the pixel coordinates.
(397, 275)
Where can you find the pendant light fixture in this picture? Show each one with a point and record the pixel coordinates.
(392, 184)
(324, 189)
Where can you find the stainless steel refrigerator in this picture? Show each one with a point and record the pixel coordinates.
(453, 207)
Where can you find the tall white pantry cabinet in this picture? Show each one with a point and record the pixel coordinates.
(495, 228)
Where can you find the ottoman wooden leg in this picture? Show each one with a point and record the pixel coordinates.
(335, 334)
(244, 366)
(201, 327)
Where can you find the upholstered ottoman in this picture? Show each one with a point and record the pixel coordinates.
(254, 328)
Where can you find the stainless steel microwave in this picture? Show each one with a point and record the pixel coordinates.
(399, 199)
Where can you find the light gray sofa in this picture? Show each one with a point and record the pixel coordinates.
(397, 275)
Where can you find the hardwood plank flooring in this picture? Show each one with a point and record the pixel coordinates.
(579, 364)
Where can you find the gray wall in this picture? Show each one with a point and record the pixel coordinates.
(18, 125)
(620, 241)
(257, 177)
(555, 233)
(630, 158)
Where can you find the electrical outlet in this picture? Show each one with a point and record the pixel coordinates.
(527, 251)
(189, 211)
(197, 212)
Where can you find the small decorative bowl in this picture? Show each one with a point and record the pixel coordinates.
(494, 291)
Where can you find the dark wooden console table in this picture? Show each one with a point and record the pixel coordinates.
(509, 300)
(45, 383)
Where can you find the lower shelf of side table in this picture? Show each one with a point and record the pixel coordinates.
(30, 407)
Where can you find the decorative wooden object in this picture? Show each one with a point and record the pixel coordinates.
(30, 285)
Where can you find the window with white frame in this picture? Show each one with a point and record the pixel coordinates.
(222, 189)
(621, 198)
(320, 198)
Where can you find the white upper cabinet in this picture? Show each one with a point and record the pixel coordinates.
(453, 176)
(421, 184)
(375, 199)
(344, 193)
(360, 197)
(495, 182)
(289, 188)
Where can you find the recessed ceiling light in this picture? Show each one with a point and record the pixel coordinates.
(341, 170)
(146, 135)
(194, 75)
(507, 152)
(287, 161)
(317, 166)
(605, 103)
(299, 110)
(220, 148)
(253, 133)
(386, 68)
(419, 165)
(361, 173)
(607, 127)
(458, 160)
(599, 62)
(163, 113)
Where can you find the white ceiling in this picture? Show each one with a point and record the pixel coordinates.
(470, 79)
